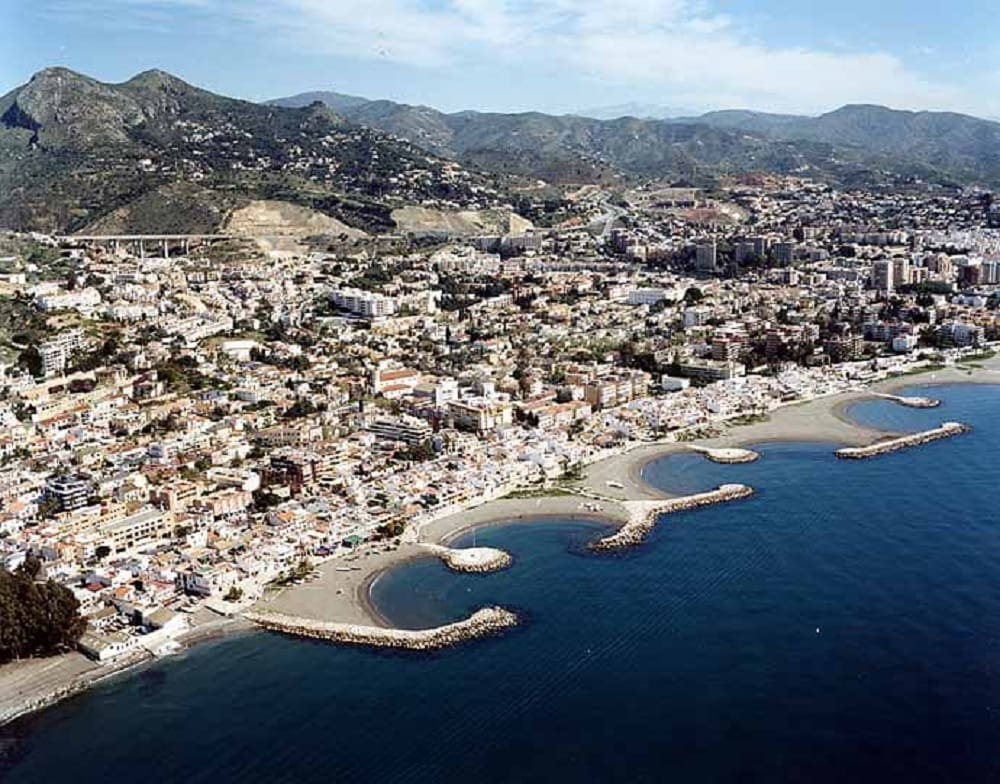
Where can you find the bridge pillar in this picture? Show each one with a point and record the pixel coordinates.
(142, 250)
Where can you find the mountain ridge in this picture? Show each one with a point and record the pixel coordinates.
(947, 144)
(74, 149)
(155, 150)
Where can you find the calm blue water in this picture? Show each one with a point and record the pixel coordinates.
(844, 624)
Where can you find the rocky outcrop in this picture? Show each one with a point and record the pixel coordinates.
(947, 430)
(482, 623)
(643, 515)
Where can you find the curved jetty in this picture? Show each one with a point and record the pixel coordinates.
(644, 514)
(474, 560)
(727, 455)
(947, 430)
(482, 623)
(911, 402)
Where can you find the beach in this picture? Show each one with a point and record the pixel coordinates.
(344, 596)
(341, 593)
(32, 684)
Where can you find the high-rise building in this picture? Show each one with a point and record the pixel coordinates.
(901, 270)
(783, 253)
(706, 256)
(883, 275)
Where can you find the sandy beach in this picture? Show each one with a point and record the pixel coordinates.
(344, 596)
(341, 592)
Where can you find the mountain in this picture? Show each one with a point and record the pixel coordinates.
(158, 154)
(966, 148)
(155, 154)
(573, 149)
(744, 120)
(647, 111)
(336, 101)
(852, 144)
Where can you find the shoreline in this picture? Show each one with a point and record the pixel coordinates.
(31, 685)
(345, 597)
(818, 420)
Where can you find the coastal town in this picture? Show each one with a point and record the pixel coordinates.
(191, 423)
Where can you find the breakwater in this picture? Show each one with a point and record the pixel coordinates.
(728, 455)
(472, 560)
(910, 401)
(482, 623)
(644, 514)
(946, 430)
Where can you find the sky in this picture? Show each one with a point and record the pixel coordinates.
(555, 56)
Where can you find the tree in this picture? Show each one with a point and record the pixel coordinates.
(234, 594)
(36, 618)
(693, 295)
(31, 360)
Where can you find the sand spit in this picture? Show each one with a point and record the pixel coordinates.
(644, 514)
(947, 430)
(482, 623)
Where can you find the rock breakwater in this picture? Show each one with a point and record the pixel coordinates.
(644, 514)
(727, 455)
(482, 623)
(947, 430)
(910, 401)
(473, 560)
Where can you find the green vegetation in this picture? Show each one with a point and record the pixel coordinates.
(181, 375)
(539, 492)
(36, 618)
(417, 453)
(302, 570)
(391, 529)
(749, 419)
(234, 594)
(981, 356)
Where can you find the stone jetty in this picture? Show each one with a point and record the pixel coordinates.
(947, 430)
(727, 455)
(482, 623)
(473, 560)
(910, 402)
(644, 514)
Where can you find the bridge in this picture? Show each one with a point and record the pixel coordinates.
(136, 243)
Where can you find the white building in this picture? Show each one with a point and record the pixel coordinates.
(363, 303)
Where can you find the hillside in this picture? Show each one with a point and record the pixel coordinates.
(573, 149)
(966, 148)
(851, 144)
(155, 154)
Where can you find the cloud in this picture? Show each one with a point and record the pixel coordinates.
(681, 51)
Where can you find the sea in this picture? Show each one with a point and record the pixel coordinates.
(841, 625)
